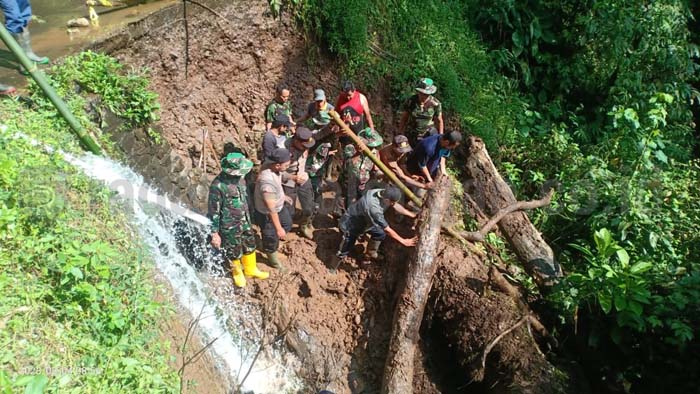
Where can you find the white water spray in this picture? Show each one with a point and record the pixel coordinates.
(269, 374)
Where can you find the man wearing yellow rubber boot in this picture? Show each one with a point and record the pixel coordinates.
(230, 218)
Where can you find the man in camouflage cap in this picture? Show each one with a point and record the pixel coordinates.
(359, 169)
(230, 218)
(316, 167)
(421, 112)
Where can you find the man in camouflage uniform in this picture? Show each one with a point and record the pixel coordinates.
(420, 113)
(316, 167)
(359, 168)
(280, 105)
(230, 218)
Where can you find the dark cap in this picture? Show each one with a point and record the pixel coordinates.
(280, 155)
(401, 144)
(305, 135)
(391, 193)
(348, 86)
(453, 137)
(282, 120)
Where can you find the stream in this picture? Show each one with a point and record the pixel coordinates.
(160, 222)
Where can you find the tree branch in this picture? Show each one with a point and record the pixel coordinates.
(480, 373)
(479, 236)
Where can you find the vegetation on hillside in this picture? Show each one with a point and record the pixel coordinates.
(596, 97)
(77, 288)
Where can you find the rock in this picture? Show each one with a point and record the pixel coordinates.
(177, 163)
(202, 192)
(78, 22)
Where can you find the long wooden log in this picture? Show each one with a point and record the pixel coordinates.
(398, 370)
(488, 189)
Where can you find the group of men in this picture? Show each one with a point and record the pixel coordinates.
(296, 157)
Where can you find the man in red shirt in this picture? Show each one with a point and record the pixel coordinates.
(354, 110)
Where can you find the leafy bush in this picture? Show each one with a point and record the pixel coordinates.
(125, 93)
(77, 295)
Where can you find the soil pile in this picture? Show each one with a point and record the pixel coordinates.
(338, 324)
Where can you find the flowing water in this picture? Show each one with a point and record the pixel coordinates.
(160, 223)
(52, 38)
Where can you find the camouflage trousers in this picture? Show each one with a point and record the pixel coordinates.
(237, 241)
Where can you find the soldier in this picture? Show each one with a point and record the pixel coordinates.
(367, 215)
(280, 105)
(359, 168)
(317, 111)
(230, 218)
(421, 111)
(316, 167)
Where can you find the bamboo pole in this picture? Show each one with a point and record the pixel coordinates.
(389, 173)
(40, 79)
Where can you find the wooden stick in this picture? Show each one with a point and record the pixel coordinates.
(480, 373)
(205, 132)
(478, 236)
(187, 38)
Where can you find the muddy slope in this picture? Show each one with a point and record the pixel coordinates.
(338, 324)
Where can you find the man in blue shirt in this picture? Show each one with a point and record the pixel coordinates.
(430, 153)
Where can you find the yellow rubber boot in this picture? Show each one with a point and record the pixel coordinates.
(238, 277)
(250, 267)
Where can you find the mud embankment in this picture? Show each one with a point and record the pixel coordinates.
(338, 324)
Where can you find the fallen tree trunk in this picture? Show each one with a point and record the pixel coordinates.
(398, 370)
(491, 193)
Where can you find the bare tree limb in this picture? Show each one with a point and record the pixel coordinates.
(267, 317)
(208, 9)
(191, 327)
(187, 38)
(487, 350)
(479, 236)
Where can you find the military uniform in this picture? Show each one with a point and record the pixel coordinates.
(421, 116)
(316, 167)
(359, 169)
(230, 217)
(275, 109)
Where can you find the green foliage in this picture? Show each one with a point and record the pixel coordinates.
(125, 93)
(399, 41)
(77, 295)
(594, 97)
(577, 59)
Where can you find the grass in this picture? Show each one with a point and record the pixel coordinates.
(76, 289)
